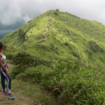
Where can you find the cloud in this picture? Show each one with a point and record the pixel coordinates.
(5, 29)
(14, 11)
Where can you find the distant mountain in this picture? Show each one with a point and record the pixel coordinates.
(2, 35)
(61, 35)
(6, 29)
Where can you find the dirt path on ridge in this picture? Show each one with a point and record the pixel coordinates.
(19, 98)
(20, 90)
(47, 28)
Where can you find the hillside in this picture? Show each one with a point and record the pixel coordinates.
(60, 35)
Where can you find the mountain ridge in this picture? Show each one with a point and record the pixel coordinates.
(61, 35)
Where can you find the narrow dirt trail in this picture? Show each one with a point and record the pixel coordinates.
(19, 98)
(46, 29)
(45, 33)
(22, 90)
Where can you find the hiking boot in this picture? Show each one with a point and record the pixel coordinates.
(10, 96)
(5, 93)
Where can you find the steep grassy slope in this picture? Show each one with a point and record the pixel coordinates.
(69, 83)
(59, 35)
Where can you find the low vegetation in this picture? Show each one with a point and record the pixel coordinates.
(70, 83)
(68, 38)
(64, 53)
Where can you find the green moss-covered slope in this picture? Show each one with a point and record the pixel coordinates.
(61, 35)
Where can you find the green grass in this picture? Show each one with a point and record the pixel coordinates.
(69, 83)
(69, 38)
(34, 91)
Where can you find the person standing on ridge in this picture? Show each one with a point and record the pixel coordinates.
(5, 74)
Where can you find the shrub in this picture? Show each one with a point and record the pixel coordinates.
(22, 34)
(32, 74)
(56, 13)
(5, 46)
(57, 9)
(74, 85)
(70, 83)
(17, 70)
(10, 56)
(28, 60)
(95, 47)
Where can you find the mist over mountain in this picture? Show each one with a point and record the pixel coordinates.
(7, 29)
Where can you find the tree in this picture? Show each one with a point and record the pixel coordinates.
(56, 13)
(57, 9)
(5, 46)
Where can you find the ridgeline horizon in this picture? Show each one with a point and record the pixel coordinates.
(60, 35)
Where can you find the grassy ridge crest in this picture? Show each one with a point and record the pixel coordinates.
(60, 35)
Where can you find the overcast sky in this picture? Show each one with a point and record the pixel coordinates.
(14, 13)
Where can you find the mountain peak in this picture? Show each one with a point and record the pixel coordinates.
(61, 35)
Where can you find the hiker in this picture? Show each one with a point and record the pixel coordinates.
(5, 74)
